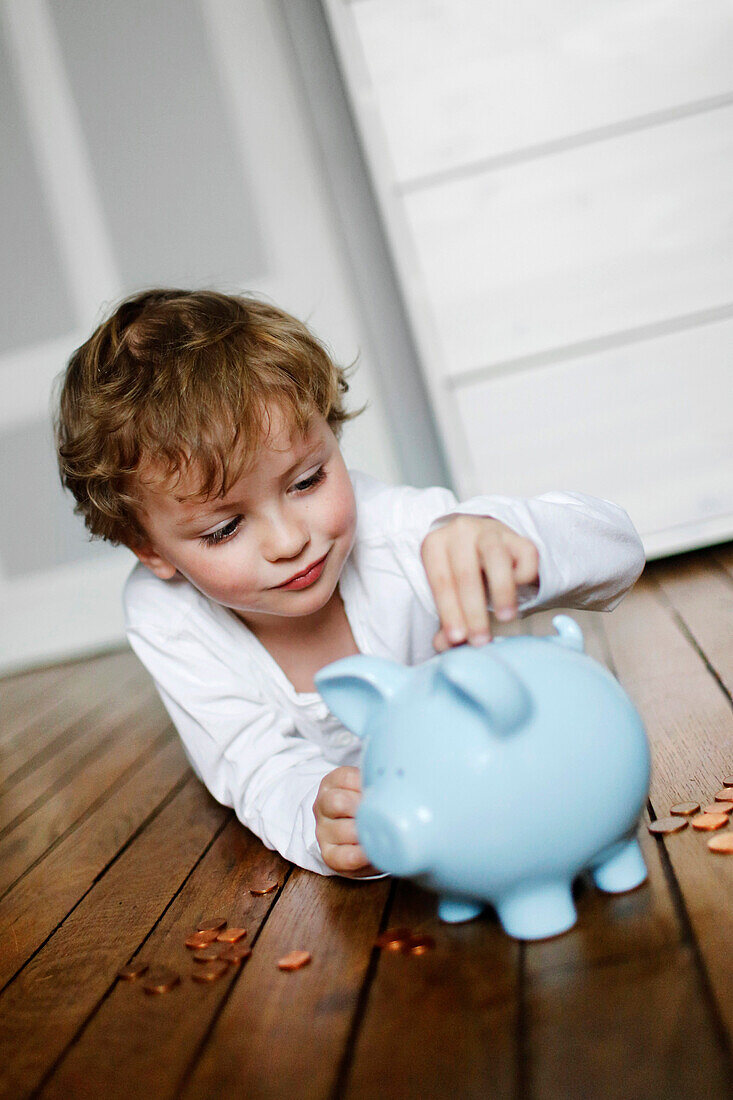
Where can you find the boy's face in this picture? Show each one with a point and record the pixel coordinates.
(294, 506)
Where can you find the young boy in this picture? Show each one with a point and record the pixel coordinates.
(201, 430)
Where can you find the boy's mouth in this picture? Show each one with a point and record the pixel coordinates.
(306, 576)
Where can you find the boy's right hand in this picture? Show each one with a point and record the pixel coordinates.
(335, 808)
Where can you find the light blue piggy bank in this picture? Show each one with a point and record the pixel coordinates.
(497, 774)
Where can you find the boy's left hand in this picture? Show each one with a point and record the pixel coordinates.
(467, 561)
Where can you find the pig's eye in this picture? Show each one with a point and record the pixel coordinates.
(400, 773)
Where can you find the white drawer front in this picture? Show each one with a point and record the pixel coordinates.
(598, 240)
(459, 81)
(647, 426)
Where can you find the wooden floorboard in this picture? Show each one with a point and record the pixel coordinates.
(110, 851)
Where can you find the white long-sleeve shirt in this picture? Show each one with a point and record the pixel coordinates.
(262, 747)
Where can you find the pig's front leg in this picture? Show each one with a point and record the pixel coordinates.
(455, 910)
(536, 910)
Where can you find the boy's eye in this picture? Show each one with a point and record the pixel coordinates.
(222, 533)
(309, 482)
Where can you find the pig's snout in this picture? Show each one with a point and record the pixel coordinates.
(395, 841)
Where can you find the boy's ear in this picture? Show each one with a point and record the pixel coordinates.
(157, 564)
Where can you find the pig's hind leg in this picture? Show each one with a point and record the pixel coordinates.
(622, 870)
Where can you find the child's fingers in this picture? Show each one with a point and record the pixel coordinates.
(338, 802)
(443, 585)
(498, 566)
(344, 857)
(526, 562)
(340, 830)
(345, 777)
(466, 567)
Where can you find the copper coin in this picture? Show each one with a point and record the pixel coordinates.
(728, 781)
(723, 843)
(708, 822)
(718, 808)
(231, 935)
(236, 954)
(685, 808)
(726, 795)
(200, 939)
(215, 924)
(160, 980)
(132, 971)
(664, 825)
(258, 891)
(207, 954)
(295, 960)
(418, 945)
(393, 938)
(210, 971)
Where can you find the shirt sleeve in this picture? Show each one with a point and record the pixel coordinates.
(249, 755)
(590, 553)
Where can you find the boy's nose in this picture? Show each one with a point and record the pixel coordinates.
(284, 537)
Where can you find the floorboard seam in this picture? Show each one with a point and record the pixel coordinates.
(74, 769)
(51, 747)
(95, 1009)
(689, 940)
(178, 786)
(136, 765)
(190, 1068)
(667, 604)
(344, 1067)
(522, 1078)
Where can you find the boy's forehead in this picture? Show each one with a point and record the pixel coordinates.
(280, 447)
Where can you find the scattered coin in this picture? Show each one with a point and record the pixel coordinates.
(685, 808)
(258, 891)
(718, 808)
(393, 938)
(726, 795)
(295, 960)
(728, 781)
(210, 971)
(723, 843)
(161, 980)
(231, 935)
(708, 822)
(207, 954)
(418, 945)
(236, 954)
(215, 924)
(132, 971)
(664, 825)
(200, 939)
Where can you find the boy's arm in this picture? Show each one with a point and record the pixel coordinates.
(590, 554)
(248, 755)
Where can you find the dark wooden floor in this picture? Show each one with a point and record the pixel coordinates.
(110, 850)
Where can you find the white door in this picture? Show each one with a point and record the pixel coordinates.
(151, 142)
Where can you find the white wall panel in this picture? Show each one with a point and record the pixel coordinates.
(624, 424)
(602, 238)
(459, 81)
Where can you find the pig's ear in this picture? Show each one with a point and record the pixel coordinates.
(486, 682)
(353, 686)
(568, 633)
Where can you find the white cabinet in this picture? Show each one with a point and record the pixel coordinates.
(556, 183)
